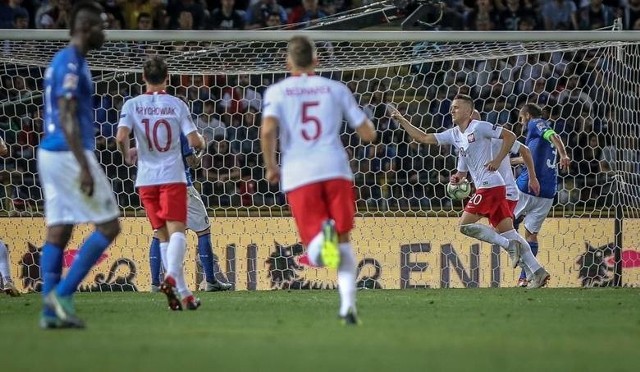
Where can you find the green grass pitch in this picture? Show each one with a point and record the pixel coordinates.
(505, 329)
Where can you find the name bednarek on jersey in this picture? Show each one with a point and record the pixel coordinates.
(544, 159)
(310, 110)
(68, 76)
(158, 120)
(474, 144)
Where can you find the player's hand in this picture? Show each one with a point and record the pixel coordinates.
(456, 178)
(534, 186)
(273, 174)
(86, 182)
(132, 156)
(493, 165)
(564, 162)
(393, 112)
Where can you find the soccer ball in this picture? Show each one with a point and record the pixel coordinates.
(458, 191)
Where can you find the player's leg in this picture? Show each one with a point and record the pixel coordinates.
(103, 211)
(341, 200)
(173, 199)
(311, 214)
(5, 272)
(155, 263)
(520, 212)
(538, 211)
(51, 261)
(198, 221)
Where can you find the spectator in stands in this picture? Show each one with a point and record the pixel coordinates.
(513, 14)
(560, 15)
(527, 23)
(596, 15)
(132, 9)
(57, 16)
(209, 123)
(575, 94)
(631, 14)
(226, 17)
(258, 13)
(306, 13)
(483, 14)
(9, 10)
(220, 173)
(195, 7)
(145, 21)
(274, 20)
(413, 174)
(185, 21)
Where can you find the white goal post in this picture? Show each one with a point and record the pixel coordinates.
(406, 236)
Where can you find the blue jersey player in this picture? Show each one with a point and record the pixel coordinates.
(197, 221)
(76, 189)
(544, 144)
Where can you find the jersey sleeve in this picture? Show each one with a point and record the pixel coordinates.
(271, 104)
(126, 116)
(541, 128)
(350, 109)
(488, 130)
(186, 122)
(462, 164)
(67, 70)
(445, 138)
(515, 149)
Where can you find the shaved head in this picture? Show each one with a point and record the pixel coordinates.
(301, 52)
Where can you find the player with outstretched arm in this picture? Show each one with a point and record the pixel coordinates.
(307, 112)
(473, 138)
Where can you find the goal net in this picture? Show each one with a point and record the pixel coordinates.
(406, 230)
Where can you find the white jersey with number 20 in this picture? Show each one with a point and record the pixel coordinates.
(475, 146)
(310, 110)
(157, 120)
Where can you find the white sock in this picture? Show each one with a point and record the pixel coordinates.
(164, 246)
(347, 279)
(4, 263)
(314, 248)
(530, 263)
(175, 262)
(484, 233)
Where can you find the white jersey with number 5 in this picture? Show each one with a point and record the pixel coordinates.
(475, 146)
(310, 110)
(156, 121)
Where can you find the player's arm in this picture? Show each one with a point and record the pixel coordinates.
(366, 131)
(555, 139)
(68, 107)
(508, 138)
(3, 147)
(415, 133)
(196, 141)
(527, 159)
(461, 172)
(268, 143)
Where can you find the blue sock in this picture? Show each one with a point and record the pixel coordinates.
(87, 256)
(206, 256)
(534, 250)
(155, 261)
(50, 270)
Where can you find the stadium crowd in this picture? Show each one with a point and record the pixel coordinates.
(394, 173)
(513, 15)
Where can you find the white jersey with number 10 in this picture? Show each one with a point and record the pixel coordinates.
(310, 110)
(156, 121)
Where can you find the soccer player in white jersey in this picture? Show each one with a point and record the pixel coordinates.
(76, 189)
(308, 110)
(6, 283)
(157, 119)
(473, 138)
(544, 144)
(504, 169)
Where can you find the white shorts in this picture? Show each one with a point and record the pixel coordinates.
(535, 209)
(64, 203)
(197, 218)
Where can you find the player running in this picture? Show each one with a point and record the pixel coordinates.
(308, 110)
(473, 138)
